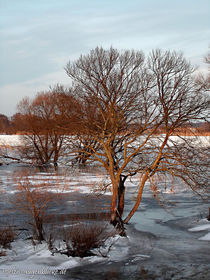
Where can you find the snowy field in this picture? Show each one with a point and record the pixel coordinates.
(16, 140)
(171, 243)
(10, 140)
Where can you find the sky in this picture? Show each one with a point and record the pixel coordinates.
(38, 38)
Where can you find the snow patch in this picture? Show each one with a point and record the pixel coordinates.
(200, 228)
(10, 140)
(26, 261)
(205, 237)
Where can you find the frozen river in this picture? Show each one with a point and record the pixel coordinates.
(163, 243)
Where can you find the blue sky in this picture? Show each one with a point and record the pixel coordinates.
(38, 38)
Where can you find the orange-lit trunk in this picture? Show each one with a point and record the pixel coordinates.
(138, 199)
(114, 201)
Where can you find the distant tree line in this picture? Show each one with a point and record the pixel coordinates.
(6, 126)
(10, 125)
(14, 125)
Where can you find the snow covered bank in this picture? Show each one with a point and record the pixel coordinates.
(15, 140)
(10, 140)
(26, 261)
(204, 226)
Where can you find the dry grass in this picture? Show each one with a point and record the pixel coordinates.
(80, 239)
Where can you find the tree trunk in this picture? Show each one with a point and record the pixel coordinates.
(138, 199)
(121, 196)
(208, 217)
(114, 204)
(117, 206)
(39, 229)
(113, 210)
(55, 160)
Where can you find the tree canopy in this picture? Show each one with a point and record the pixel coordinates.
(126, 99)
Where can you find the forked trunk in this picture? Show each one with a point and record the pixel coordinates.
(138, 199)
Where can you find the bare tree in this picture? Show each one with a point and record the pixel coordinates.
(203, 80)
(5, 125)
(127, 100)
(41, 119)
(207, 58)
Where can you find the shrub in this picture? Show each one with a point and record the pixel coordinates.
(81, 239)
(33, 199)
